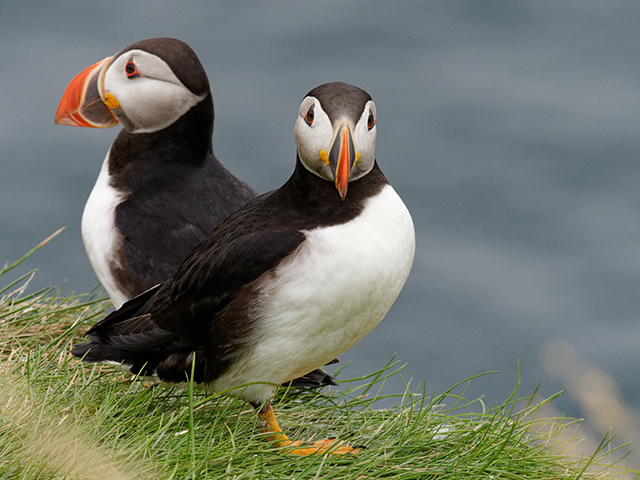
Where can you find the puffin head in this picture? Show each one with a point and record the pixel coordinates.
(147, 86)
(335, 133)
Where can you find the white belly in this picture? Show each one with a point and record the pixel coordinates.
(99, 233)
(327, 296)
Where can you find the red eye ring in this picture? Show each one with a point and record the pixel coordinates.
(131, 69)
(371, 121)
(309, 117)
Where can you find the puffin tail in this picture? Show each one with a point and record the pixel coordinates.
(94, 352)
(317, 378)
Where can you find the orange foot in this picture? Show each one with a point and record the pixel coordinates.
(332, 446)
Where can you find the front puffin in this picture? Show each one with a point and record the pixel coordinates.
(287, 283)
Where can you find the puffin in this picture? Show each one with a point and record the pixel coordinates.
(285, 284)
(161, 189)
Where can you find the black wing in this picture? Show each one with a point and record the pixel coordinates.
(163, 220)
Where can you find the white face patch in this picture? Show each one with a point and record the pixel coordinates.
(319, 136)
(311, 139)
(364, 139)
(152, 100)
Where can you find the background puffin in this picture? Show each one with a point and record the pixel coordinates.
(161, 189)
(285, 284)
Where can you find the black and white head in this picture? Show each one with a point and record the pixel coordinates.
(335, 133)
(147, 86)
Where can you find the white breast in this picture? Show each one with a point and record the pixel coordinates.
(99, 233)
(328, 295)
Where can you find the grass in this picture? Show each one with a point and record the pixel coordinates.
(61, 419)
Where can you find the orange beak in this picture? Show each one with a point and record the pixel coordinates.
(82, 102)
(342, 156)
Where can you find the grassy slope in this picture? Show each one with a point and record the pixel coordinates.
(62, 419)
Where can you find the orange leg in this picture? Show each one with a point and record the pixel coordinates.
(268, 424)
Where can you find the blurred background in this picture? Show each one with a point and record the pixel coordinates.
(510, 129)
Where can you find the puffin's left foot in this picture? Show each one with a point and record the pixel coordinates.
(332, 446)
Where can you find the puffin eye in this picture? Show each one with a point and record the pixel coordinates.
(371, 121)
(131, 69)
(309, 116)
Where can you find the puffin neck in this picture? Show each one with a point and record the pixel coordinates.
(187, 141)
(316, 202)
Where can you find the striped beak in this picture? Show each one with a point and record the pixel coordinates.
(83, 102)
(342, 157)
